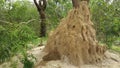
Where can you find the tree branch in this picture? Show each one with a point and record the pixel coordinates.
(44, 4)
(38, 7)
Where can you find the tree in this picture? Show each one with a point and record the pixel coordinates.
(76, 2)
(41, 6)
(15, 30)
(74, 39)
(106, 17)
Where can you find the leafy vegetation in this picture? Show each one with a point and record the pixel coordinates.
(56, 10)
(106, 16)
(13, 39)
(19, 24)
(28, 60)
(116, 48)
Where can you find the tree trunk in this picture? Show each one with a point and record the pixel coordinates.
(77, 2)
(74, 40)
(41, 6)
(42, 24)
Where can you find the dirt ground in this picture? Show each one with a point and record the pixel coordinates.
(112, 61)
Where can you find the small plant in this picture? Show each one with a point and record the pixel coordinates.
(28, 60)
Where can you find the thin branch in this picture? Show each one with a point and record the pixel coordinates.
(2, 21)
(40, 1)
(44, 4)
(38, 8)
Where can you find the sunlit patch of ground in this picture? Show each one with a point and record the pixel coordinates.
(112, 61)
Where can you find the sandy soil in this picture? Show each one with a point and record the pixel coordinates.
(112, 61)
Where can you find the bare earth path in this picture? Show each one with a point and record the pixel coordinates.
(112, 61)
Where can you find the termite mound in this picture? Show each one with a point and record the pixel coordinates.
(75, 39)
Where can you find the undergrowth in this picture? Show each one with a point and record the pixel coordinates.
(13, 39)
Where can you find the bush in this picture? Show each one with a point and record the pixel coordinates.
(13, 39)
(28, 60)
(106, 18)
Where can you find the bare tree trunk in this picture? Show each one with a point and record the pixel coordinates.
(86, 0)
(77, 2)
(41, 6)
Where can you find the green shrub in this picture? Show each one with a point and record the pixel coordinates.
(28, 60)
(106, 17)
(13, 39)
